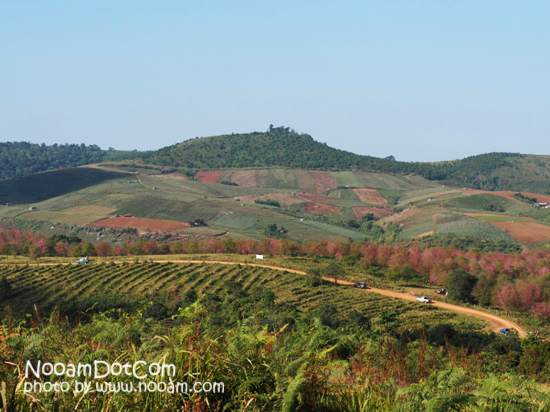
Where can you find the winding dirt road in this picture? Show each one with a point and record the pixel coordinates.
(497, 322)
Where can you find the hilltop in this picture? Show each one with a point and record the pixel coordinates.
(281, 147)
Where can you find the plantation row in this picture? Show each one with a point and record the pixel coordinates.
(71, 286)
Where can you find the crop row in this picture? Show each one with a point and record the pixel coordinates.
(58, 285)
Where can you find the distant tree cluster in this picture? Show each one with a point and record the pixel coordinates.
(268, 202)
(23, 158)
(198, 222)
(493, 208)
(273, 231)
(525, 199)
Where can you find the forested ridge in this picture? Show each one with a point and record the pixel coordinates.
(23, 158)
(283, 147)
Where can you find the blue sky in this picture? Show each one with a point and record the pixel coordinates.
(420, 80)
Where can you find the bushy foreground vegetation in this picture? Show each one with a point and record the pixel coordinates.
(272, 356)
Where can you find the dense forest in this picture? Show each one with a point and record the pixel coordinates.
(283, 147)
(23, 158)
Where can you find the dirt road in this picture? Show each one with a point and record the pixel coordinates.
(497, 322)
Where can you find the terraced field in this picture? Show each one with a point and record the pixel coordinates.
(468, 226)
(63, 285)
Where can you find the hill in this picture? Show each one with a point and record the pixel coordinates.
(282, 147)
(301, 204)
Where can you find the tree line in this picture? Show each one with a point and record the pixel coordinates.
(23, 158)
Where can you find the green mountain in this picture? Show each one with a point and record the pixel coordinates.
(282, 147)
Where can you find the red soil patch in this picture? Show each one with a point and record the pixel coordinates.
(510, 195)
(244, 178)
(211, 176)
(323, 180)
(284, 199)
(371, 196)
(378, 213)
(153, 225)
(526, 232)
(321, 208)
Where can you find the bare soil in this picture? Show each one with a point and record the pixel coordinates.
(371, 196)
(378, 212)
(526, 232)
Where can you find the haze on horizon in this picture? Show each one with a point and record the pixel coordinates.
(422, 81)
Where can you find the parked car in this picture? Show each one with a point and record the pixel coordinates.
(83, 260)
(361, 285)
(505, 331)
(423, 299)
(441, 292)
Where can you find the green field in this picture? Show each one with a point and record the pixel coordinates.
(69, 286)
(347, 179)
(346, 194)
(468, 226)
(480, 202)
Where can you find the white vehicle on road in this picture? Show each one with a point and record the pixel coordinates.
(423, 299)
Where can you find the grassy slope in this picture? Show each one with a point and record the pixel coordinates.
(46, 185)
(162, 197)
(100, 194)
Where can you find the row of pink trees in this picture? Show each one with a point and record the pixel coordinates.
(509, 281)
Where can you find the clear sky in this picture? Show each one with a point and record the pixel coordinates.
(420, 80)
